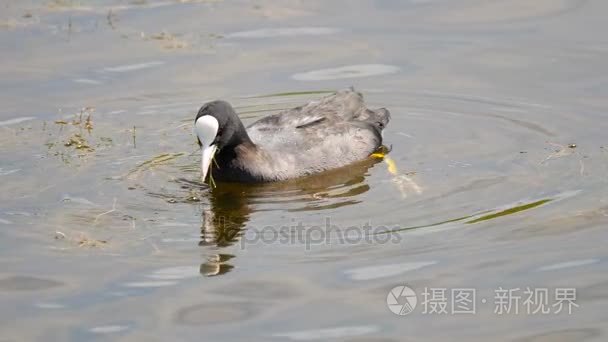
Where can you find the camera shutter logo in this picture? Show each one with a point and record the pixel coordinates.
(401, 300)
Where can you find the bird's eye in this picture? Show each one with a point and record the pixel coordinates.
(218, 136)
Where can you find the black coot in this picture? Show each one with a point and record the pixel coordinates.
(328, 133)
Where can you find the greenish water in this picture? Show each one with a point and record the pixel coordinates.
(496, 177)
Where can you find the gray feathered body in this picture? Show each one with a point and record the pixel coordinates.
(328, 133)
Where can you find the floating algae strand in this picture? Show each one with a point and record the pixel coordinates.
(510, 211)
(487, 214)
(161, 159)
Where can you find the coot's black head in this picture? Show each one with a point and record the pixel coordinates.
(217, 126)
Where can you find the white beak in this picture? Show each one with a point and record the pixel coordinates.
(207, 157)
(205, 129)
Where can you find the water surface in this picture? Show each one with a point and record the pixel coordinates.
(496, 177)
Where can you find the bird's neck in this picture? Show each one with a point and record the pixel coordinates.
(239, 142)
(234, 162)
(240, 136)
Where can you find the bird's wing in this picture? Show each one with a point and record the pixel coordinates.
(344, 105)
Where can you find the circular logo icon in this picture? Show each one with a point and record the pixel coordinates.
(401, 300)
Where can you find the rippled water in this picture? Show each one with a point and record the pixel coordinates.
(496, 178)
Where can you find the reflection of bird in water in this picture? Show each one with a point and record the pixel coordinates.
(223, 223)
(232, 204)
(216, 265)
(321, 135)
